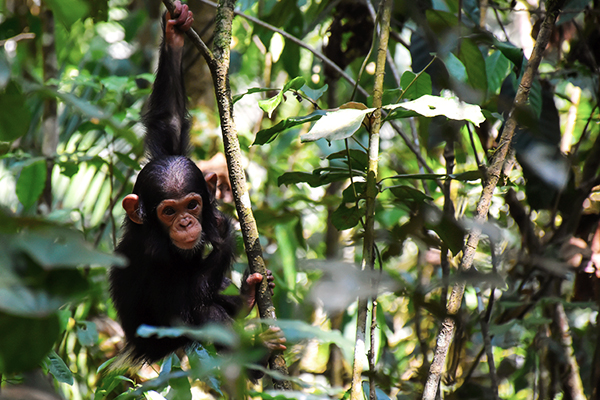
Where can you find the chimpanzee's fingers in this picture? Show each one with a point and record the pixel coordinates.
(182, 16)
(188, 22)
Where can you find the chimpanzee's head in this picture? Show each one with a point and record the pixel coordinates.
(171, 193)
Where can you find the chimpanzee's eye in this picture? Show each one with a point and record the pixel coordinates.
(192, 204)
(169, 211)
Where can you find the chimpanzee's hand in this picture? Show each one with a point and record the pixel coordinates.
(249, 285)
(273, 338)
(176, 28)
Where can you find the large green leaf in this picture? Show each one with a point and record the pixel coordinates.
(31, 182)
(474, 63)
(497, 68)
(319, 177)
(413, 86)
(24, 342)
(59, 369)
(346, 217)
(358, 158)
(15, 116)
(68, 12)
(53, 247)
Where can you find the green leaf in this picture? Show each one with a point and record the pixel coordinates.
(180, 388)
(69, 168)
(313, 94)
(463, 176)
(451, 107)
(296, 84)
(510, 51)
(345, 217)
(286, 249)
(337, 125)
(24, 342)
(15, 117)
(415, 87)
(474, 63)
(497, 68)
(238, 97)
(408, 194)
(4, 68)
(125, 159)
(215, 333)
(60, 247)
(31, 183)
(59, 369)
(320, 177)
(68, 12)
(447, 228)
(268, 135)
(87, 333)
(358, 158)
(456, 68)
(269, 105)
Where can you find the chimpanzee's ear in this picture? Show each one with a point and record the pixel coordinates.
(131, 204)
(211, 183)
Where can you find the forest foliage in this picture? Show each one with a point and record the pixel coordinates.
(431, 215)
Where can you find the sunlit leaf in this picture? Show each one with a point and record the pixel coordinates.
(269, 105)
(336, 125)
(451, 107)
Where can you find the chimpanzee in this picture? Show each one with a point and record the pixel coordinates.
(179, 246)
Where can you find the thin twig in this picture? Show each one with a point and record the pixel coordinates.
(371, 194)
(298, 42)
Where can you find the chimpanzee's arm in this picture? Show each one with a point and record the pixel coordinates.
(167, 121)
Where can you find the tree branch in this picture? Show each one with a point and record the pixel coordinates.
(371, 194)
(490, 183)
(218, 62)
